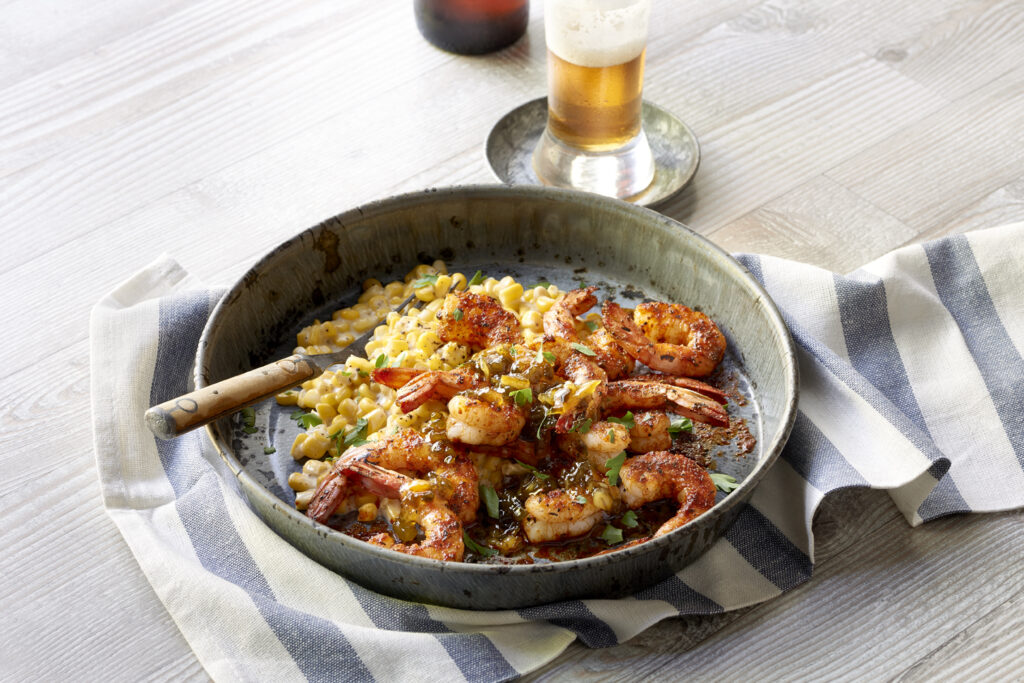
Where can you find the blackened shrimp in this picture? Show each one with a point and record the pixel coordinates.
(631, 394)
(416, 387)
(406, 450)
(442, 528)
(659, 475)
(487, 420)
(477, 321)
(558, 515)
(667, 337)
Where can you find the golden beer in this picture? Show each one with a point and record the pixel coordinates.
(594, 138)
(595, 108)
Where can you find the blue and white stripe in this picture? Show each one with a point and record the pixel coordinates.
(912, 380)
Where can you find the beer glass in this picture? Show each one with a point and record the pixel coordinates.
(594, 139)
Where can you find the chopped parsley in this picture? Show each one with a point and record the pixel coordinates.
(537, 473)
(591, 325)
(476, 547)
(680, 424)
(611, 535)
(357, 435)
(490, 499)
(724, 482)
(248, 420)
(381, 361)
(457, 314)
(425, 281)
(629, 519)
(581, 499)
(308, 420)
(614, 465)
(585, 350)
(267, 450)
(583, 426)
(477, 278)
(626, 420)
(523, 396)
(611, 436)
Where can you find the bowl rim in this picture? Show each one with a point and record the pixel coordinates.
(482, 192)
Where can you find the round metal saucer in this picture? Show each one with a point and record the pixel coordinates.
(510, 145)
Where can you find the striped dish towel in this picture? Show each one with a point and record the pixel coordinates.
(912, 380)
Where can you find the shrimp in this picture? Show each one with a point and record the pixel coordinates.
(610, 355)
(477, 421)
(650, 432)
(670, 338)
(632, 394)
(603, 441)
(660, 474)
(563, 339)
(405, 450)
(442, 528)
(477, 321)
(558, 515)
(416, 387)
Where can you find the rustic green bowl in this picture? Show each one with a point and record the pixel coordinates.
(534, 233)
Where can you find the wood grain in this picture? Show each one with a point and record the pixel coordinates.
(831, 132)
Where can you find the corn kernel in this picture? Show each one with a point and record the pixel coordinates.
(367, 512)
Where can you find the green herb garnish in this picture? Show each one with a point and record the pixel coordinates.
(583, 426)
(476, 547)
(614, 465)
(585, 350)
(549, 357)
(248, 420)
(724, 482)
(457, 314)
(381, 361)
(626, 420)
(310, 420)
(267, 450)
(591, 325)
(425, 281)
(296, 414)
(537, 473)
(629, 519)
(611, 436)
(357, 435)
(581, 499)
(477, 278)
(680, 424)
(523, 396)
(490, 499)
(611, 535)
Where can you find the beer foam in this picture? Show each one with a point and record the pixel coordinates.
(596, 33)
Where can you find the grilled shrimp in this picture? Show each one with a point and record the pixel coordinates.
(610, 355)
(649, 432)
(404, 450)
(633, 394)
(416, 387)
(654, 476)
(476, 421)
(560, 334)
(476, 320)
(667, 337)
(558, 515)
(442, 529)
(603, 441)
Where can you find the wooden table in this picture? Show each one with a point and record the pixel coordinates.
(831, 131)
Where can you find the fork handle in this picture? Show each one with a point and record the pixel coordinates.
(195, 409)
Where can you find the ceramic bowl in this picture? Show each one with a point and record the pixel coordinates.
(563, 237)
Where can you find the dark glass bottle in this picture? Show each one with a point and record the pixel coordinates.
(472, 27)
